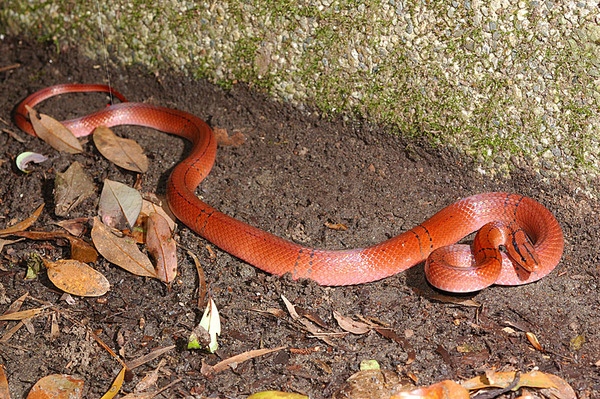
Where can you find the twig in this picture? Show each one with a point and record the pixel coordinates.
(9, 67)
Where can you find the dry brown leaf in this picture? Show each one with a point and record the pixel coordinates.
(116, 385)
(162, 247)
(54, 328)
(4, 393)
(352, 326)
(53, 132)
(369, 384)
(443, 390)
(57, 386)
(77, 278)
(223, 138)
(202, 288)
(148, 207)
(534, 341)
(120, 205)
(242, 357)
(534, 379)
(336, 226)
(75, 227)
(121, 251)
(123, 152)
(140, 361)
(150, 379)
(70, 188)
(12, 331)
(24, 225)
(22, 315)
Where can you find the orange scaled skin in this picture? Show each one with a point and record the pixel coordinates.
(327, 267)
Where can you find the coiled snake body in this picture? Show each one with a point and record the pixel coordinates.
(530, 234)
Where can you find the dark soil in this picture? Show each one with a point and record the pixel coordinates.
(295, 173)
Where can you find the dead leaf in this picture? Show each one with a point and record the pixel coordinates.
(242, 357)
(534, 379)
(22, 315)
(57, 386)
(123, 152)
(223, 138)
(352, 326)
(308, 326)
(75, 227)
(4, 393)
(24, 225)
(148, 207)
(150, 379)
(140, 361)
(77, 278)
(53, 132)
(443, 390)
(534, 341)
(336, 226)
(121, 251)
(370, 384)
(202, 288)
(116, 385)
(162, 247)
(71, 188)
(54, 328)
(120, 205)
(25, 158)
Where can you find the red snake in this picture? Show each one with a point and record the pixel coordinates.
(530, 235)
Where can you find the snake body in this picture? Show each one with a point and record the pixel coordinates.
(531, 235)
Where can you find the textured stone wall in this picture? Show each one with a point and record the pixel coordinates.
(504, 81)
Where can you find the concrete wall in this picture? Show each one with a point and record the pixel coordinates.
(503, 81)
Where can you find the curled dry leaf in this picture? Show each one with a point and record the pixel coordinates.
(336, 226)
(120, 205)
(125, 153)
(223, 138)
(352, 326)
(70, 188)
(54, 133)
(534, 341)
(25, 158)
(242, 357)
(77, 278)
(122, 251)
(24, 225)
(57, 386)
(4, 393)
(75, 227)
(162, 247)
(116, 385)
(443, 390)
(534, 379)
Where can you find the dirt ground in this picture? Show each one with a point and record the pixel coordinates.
(294, 173)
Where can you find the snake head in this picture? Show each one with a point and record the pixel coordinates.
(520, 249)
